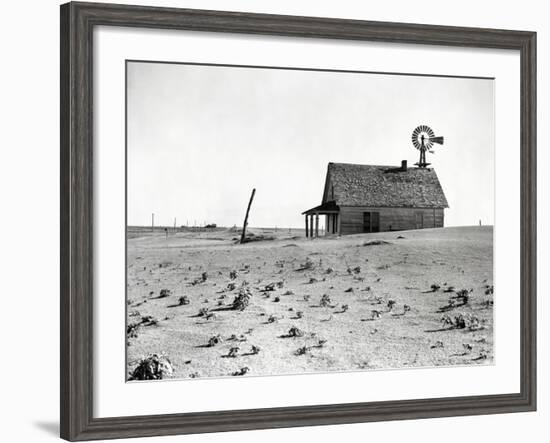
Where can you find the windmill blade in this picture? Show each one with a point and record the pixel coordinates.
(438, 140)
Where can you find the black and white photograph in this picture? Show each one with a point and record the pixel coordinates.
(286, 220)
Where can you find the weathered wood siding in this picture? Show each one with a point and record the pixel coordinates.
(391, 219)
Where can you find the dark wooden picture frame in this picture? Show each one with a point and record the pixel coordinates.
(77, 23)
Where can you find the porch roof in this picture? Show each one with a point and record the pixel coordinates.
(329, 207)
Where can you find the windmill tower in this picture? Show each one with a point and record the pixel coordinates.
(423, 138)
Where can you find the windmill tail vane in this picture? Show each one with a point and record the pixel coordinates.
(423, 138)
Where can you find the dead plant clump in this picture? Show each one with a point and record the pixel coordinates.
(132, 330)
(390, 304)
(295, 332)
(302, 350)
(203, 312)
(153, 367)
(489, 290)
(289, 292)
(355, 270)
(344, 308)
(325, 301)
(233, 274)
(149, 320)
(375, 314)
(165, 293)
(254, 350)
(183, 300)
(231, 286)
(233, 352)
(320, 343)
(462, 321)
(242, 300)
(214, 340)
(240, 372)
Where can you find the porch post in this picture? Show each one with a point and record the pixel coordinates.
(338, 224)
(311, 225)
(316, 224)
(307, 228)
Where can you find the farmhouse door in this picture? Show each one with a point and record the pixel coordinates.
(366, 221)
(419, 220)
(371, 221)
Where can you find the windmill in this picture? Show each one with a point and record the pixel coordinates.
(423, 138)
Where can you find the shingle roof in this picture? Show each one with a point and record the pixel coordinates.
(383, 186)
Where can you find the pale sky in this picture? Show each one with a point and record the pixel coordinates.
(201, 137)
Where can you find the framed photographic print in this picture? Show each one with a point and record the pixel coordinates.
(273, 221)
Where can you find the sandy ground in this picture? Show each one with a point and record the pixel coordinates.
(357, 330)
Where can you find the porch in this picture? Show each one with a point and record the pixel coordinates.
(332, 219)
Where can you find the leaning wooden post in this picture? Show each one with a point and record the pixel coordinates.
(245, 224)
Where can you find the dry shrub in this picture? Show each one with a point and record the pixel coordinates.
(302, 350)
(344, 308)
(325, 301)
(233, 351)
(203, 312)
(148, 320)
(295, 332)
(214, 340)
(233, 275)
(183, 300)
(242, 300)
(153, 367)
(132, 330)
(241, 371)
(462, 321)
(165, 293)
(231, 286)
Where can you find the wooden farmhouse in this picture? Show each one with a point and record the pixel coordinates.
(368, 198)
